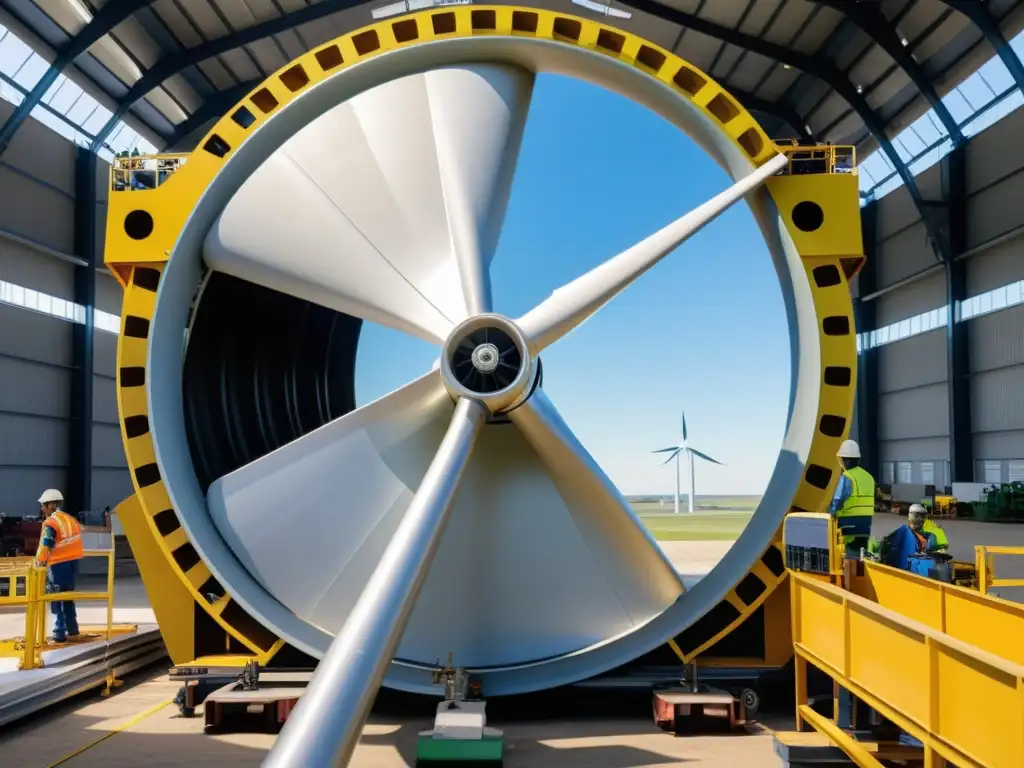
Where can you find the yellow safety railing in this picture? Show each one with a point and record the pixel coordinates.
(35, 598)
(965, 705)
(818, 158)
(984, 621)
(983, 554)
(143, 171)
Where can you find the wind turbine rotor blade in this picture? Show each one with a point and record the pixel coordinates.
(684, 426)
(281, 513)
(479, 113)
(676, 453)
(388, 206)
(572, 304)
(325, 727)
(704, 456)
(666, 450)
(634, 565)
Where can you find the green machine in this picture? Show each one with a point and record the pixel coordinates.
(460, 733)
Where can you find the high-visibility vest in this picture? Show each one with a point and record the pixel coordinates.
(854, 517)
(941, 541)
(68, 535)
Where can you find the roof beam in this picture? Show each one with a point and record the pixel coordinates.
(783, 112)
(174, 63)
(981, 18)
(104, 20)
(871, 20)
(822, 68)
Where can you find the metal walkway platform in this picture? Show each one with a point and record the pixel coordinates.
(924, 656)
(70, 670)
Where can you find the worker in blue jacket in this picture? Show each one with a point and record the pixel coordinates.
(907, 540)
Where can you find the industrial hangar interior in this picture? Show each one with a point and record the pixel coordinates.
(927, 91)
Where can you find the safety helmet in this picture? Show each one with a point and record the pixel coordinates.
(849, 450)
(51, 494)
(917, 510)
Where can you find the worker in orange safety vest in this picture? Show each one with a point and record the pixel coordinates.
(60, 549)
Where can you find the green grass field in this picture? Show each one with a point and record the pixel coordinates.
(717, 518)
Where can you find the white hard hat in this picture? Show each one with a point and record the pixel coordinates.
(51, 494)
(917, 509)
(849, 450)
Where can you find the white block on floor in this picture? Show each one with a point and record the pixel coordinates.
(466, 721)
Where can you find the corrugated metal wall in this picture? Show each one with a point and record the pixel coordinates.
(912, 410)
(36, 225)
(35, 391)
(913, 407)
(923, 295)
(997, 384)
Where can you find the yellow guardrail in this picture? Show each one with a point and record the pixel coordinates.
(143, 171)
(964, 704)
(23, 571)
(984, 621)
(983, 554)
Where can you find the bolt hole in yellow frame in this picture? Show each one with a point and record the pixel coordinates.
(815, 253)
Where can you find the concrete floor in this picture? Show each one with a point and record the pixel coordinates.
(164, 738)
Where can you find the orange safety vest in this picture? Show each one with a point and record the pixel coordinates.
(68, 534)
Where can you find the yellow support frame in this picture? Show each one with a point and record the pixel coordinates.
(964, 704)
(831, 253)
(985, 569)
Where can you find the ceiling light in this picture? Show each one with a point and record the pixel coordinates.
(605, 10)
(860, 89)
(406, 6)
(786, 66)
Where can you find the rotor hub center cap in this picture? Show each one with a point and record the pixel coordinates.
(485, 358)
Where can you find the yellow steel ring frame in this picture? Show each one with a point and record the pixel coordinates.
(160, 272)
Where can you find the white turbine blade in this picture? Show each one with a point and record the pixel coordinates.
(319, 511)
(674, 454)
(704, 456)
(573, 303)
(632, 560)
(325, 727)
(388, 204)
(592, 571)
(479, 114)
(666, 450)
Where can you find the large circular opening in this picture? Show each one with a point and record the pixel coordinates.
(326, 390)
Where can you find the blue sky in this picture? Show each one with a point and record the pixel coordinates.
(704, 330)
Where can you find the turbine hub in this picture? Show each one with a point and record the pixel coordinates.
(486, 358)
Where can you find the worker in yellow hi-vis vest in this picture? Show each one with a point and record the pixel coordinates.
(854, 502)
(60, 549)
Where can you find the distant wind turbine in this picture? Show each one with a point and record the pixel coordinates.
(680, 450)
